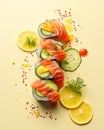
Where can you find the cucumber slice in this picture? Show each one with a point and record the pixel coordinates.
(72, 60)
(59, 44)
(38, 93)
(51, 84)
(28, 41)
(41, 72)
(45, 54)
(38, 96)
(44, 33)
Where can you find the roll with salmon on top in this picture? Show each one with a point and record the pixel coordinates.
(51, 49)
(49, 69)
(54, 29)
(45, 90)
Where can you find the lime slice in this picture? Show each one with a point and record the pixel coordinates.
(28, 41)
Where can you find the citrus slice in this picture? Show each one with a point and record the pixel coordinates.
(70, 99)
(28, 41)
(82, 114)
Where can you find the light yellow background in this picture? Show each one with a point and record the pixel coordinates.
(20, 15)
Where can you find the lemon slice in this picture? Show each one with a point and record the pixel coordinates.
(82, 114)
(70, 99)
(28, 41)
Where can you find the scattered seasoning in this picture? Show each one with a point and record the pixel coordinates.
(35, 110)
(71, 25)
(26, 67)
(63, 14)
(66, 14)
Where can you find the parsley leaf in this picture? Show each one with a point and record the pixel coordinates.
(75, 85)
(30, 41)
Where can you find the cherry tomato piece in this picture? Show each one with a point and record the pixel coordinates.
(83, 52)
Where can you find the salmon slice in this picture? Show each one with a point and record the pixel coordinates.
(55, 70)
(54, 98)
(59, 29)
(53, 49)
(56, 28)
(46, 90)
(65, 35)
(38, 84)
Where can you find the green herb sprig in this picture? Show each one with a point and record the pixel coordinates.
(30, 41)
(76, 85)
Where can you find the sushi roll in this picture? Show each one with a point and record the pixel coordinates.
(45, 90)
(43, 53)
(46, 49)
(55, 70)
(45, 30)
(53, 49)
(42, 72)
(54, 29)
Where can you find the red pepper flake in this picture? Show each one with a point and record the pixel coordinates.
(55, 118)
(76, 39)
(25, 84)
(27, 103)
(32, 54)
(51, 117)
(33, 107)
(46, 113)
(26, 108)
(29, 69)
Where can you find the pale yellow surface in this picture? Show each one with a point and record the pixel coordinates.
(21, 15)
